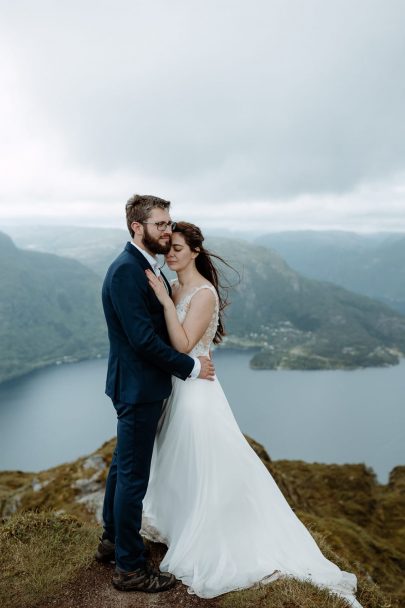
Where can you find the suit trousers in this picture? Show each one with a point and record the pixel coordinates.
(128, 479)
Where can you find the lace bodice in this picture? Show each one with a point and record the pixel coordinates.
(203, 346)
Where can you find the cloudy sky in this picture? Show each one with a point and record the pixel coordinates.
(248, 115)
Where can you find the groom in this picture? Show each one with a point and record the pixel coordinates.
(140, 366)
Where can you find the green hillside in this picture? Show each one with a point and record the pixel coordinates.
(373, 265)
(296, 322)
(304, 323)
(50, 310)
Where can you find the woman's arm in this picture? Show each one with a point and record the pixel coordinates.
(184, 337)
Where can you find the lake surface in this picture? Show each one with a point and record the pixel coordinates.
(59, 413)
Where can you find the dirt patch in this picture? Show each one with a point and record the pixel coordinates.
(93, 589)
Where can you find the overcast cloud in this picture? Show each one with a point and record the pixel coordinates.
(268, 114)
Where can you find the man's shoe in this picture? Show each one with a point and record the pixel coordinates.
(105, 551)
(144, 579)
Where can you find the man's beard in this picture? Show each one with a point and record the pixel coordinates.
(153, 245)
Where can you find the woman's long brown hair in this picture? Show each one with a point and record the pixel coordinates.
(205, 266)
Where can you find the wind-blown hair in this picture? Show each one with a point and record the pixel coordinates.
(205, 266)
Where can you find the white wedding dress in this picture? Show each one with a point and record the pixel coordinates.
(213, 502)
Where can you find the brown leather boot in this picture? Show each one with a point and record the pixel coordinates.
(145, 579)
(105, 551)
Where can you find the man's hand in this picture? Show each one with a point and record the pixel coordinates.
(207, 369)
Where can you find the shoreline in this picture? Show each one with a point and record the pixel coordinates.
(254, 349)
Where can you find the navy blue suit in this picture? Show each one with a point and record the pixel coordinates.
(140, 367)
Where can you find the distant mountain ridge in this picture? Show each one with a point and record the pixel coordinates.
(7, 246)
(321, 324)
(94, 248)
(373, 265)
(50, 311)
(297, 322)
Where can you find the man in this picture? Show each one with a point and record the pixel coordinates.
(140, 366)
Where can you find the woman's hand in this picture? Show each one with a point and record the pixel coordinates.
(158, 287)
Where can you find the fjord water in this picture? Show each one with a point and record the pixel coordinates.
(60, 413)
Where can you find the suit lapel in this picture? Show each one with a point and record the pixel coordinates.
(138, 255)
(169, 289)
(145, 264)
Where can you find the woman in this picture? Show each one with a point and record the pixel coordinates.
(210, 498)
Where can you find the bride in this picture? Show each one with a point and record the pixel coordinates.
(210, 499)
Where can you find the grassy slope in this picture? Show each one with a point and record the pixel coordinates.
(358, 523)
(50, 552)
(40, 553)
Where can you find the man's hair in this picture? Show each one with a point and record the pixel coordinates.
(139, 208)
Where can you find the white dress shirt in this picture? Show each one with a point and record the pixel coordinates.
(155, 266)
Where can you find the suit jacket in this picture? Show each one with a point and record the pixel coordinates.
(141, 362)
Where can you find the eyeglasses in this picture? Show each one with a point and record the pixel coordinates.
(162, 226)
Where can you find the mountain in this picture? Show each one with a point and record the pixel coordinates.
(303, 323)
(93, 247)
(373, 265)
(50, 310)
(297, 322)
(49, 533)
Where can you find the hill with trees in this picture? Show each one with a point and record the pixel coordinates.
(50, 310)
(294, 322)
